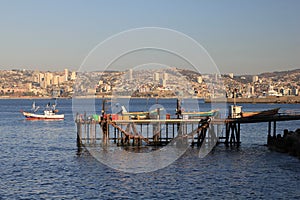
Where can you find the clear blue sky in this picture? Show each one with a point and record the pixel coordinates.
(242, 36)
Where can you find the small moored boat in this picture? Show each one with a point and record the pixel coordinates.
(197, 115)
(236, 112)
(263, 113)
(141, 115)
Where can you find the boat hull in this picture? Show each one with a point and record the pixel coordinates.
(33, 116)
(196, 115)
(261, 113)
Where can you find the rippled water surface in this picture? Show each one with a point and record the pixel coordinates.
(39, 161)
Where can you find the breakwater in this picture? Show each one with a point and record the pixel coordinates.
(289, 142)
(270, 99)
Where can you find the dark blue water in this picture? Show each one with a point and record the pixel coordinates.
(39, 161)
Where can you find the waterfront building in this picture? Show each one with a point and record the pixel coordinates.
(29, 86)
(251, 91)
(295, 91)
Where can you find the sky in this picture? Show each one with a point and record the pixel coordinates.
(241, 36)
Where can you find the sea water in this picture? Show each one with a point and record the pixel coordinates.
(39, 160)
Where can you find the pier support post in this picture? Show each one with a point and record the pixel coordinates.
(227, 133)
(115, 135)
(269, 140)
(274, 129)
(232, 136)
(201, 137)
(79, 132)
(212, 134)
(238, 135)
(104, 126)
(269, 128)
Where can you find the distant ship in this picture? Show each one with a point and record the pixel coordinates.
(49, 113)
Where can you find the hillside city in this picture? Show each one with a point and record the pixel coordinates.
(147, 83)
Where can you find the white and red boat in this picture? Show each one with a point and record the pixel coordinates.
(50, 113)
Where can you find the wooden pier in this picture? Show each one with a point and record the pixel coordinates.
(143, 132)
(159, 132)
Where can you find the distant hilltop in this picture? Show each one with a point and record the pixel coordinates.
(169, 82)
(280, 73)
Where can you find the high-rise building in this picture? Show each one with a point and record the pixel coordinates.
(48, 79)
(165, 76)
(73, 76)
(66, 74)
(230, 75)
(130, 74)
(199, 79)
(156, 76)
(254, 78)
(163, 82)
(61, 79)
(56, 80)
(41, 77)
(250, 90)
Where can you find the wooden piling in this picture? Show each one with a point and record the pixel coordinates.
(227, 134)
(79, 131)
(274, 128)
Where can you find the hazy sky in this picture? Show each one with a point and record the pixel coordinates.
(241, 36)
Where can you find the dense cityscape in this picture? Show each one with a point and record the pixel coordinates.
(147, 83)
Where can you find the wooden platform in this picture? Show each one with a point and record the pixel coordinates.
(162, 131)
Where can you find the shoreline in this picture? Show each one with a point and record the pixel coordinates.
(271, 100)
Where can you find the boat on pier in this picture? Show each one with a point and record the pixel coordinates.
(140, 115)
(198, 115)
(263, 113)
(236, 112)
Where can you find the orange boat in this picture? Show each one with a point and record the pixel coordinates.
(261, 113)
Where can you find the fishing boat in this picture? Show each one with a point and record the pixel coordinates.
(197, 115)
(140, 115)
(49, 113)
(263, 113)
(236, 112)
